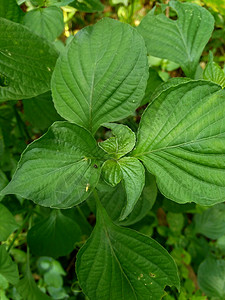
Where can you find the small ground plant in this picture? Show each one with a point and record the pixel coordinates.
(128, 182)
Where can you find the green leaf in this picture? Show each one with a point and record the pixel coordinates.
(40, 111)
(114, 199)
(58, 170)
(213, 72)
(26, 62)
(46, 22)
(211, 222)
(89, 85)
(7, 223)
(181, 142)
(111, 172)
(154, 80)
(54, 236)
(134, 180)
(211, 278)
(123, 142)
(182, 40)
(28, 289)
(3, 178)
(8, 268)
(9, 9)
(119, 263)
(88, 5)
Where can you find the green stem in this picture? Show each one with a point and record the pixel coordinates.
(19, 230)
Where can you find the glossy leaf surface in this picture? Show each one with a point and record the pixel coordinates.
(58, 170)
(26, 62)
(119, 263)
(102, 74)
(54, 236)
(181, 140)
(182, 40)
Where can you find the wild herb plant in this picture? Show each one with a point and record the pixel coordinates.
(99, 79)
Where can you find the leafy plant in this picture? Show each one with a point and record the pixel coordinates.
(87, 164)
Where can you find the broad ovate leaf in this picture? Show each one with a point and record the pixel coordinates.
(213, 72)
(7, 223)
(102, 74)
(181, 140)
(46, 22)
(211, 222)
(8, 268)
(182, 40)
(54, 236)
(211, 277)
(119, 263)
(123, 141)
(58, 170)
(26, 62)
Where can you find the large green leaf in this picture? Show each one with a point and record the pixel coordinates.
(182, 40)
(121, 143)
(26, 62)
(119, 263)
(88, 5)
(214, 72)
(54, 236)
(8, 268)
(28, 289)
(46, 22)
(181, 140)
(211, 278)
(102, 74)
(7, 223)
(211, 222)
(40, 111)
(58, 170)
(9, 9)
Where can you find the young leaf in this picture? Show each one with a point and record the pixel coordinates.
(102, 74)
(22, 52)
(122, 143)
(181, 141)
(55, 236)
(211, 277)
(58, 170)
(211, 222)
(111, 172)
(213, 72)
(8, 268)
(46, 22)
(119, 263)
(7, 223)
(182, 40)
(89, 6)
(28, 289)
(9, 9)
(134, 180)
